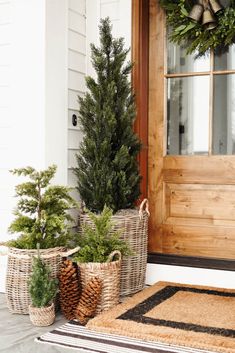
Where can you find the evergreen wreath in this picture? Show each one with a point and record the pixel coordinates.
(193, 34)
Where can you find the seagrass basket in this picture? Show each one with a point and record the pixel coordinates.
(134, 226)
(19, 268)
(109, 273)
(44, 316)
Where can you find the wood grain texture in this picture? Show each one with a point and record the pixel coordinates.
(140, 42)
(192, 198)
(205, 241)
(156, 124)
(214, 203)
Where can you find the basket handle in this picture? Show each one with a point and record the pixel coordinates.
(141, 210)
(112, 254)
(70, 252)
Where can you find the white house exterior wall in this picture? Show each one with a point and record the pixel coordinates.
(77, 38)
(44, 57)
(33, 99)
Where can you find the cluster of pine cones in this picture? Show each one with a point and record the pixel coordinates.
(76, 303)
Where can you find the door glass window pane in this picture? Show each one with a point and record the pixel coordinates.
(223, 141)
(226, 61)
(178, 61)
(188, 115)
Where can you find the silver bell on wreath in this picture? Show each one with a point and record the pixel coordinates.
(208, 19)
(204, 11)
(215, 6)
(196, 13)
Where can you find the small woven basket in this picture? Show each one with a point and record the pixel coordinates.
(109, 273)
(44, 316)
(19, 268)
(134, 226)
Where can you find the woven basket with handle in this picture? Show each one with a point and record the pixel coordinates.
(19, 268)
(109, 273)
(134, 226)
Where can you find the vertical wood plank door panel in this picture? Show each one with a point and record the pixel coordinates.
(192, 198)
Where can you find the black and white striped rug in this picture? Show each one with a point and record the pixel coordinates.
(74, 336)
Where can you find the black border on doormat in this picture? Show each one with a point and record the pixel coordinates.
(138, 313)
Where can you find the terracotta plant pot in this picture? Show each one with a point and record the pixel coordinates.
(44, 316)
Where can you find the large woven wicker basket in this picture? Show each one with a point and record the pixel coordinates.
(109, 273)
(134, 226)
(19, 268)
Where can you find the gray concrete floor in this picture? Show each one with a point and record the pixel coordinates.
(17, 333)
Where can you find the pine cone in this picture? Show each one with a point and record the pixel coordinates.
(70, 289)
(89, 300)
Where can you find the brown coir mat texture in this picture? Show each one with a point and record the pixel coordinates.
(178, 314)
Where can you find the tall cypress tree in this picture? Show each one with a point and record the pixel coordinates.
(107, 168)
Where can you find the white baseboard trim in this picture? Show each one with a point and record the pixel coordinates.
(190, 275)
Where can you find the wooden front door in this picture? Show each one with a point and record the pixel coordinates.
(191, 139)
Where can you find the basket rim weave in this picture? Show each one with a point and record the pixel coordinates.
(98, 264)
(19, 267)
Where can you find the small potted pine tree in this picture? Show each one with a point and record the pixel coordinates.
(40, 217)
(101, 249)
(42, 290)
(108, 171)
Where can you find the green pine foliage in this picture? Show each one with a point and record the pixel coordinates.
(41, 212)
(193, 35)
(107, 171)
(42, 288)
(98, 240)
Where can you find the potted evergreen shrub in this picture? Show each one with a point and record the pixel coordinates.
(40, 217)
(101, 249)
(42, 290)
(107, 168)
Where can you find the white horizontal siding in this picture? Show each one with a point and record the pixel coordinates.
(77, 22)
(76, 42)
(72, 163)
(76, 80)
(73, 99)
(78, 6)
(74, 139)
(76, 61)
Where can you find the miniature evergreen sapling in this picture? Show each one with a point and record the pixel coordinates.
(42, 287)
(99, 238)
(41, 212)
(107, 169)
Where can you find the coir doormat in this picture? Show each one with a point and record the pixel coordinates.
(180, 315)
